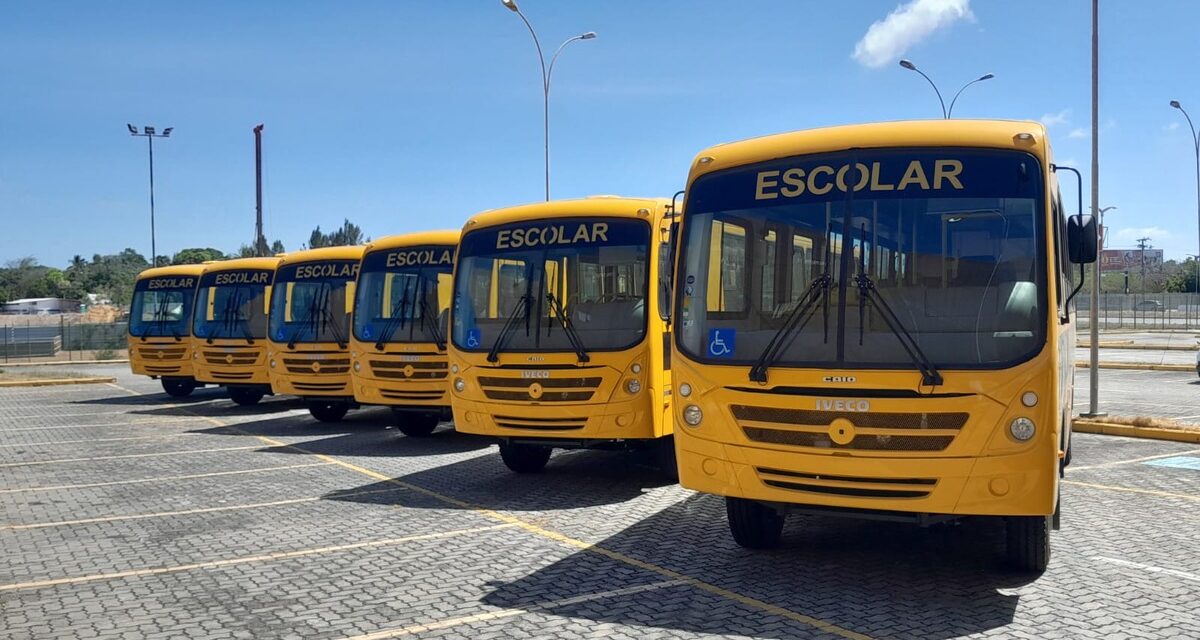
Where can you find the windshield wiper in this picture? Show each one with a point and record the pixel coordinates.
(331, 323)
(430, 322)
(521, 306)
(395, 322)
(868, 293)
(798, 317)
(309, 319)
(568, 327)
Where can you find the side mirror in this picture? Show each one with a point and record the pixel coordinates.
(1082, 239)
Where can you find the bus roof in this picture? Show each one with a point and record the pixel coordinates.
(414, 239)
(617, 206)
(234, 264)
(172, 270)
(1000, 134)
(345, 252)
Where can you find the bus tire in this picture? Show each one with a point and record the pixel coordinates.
(1028, 543)
(244, 397)
(416, 425)
(524, 458)
(178, 387)
(327, 411)
(754, 525)
(664, 458)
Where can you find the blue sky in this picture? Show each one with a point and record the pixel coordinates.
(404, 116)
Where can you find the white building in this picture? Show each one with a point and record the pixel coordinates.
(40, 306)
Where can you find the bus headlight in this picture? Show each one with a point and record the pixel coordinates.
(272, 363)
(1029, 399)
(454, 368)
(357, 366)
(1021, 429)
(692, 415)
(685, 389)
(636, 368)
(633, 386)
(460, 385)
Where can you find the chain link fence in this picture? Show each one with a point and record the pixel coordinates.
(26, 340)
(1146, 311)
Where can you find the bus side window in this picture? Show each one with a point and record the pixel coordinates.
(666, 267)
(1062, 267)
(727, 284)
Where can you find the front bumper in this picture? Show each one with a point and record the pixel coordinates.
(611, 421)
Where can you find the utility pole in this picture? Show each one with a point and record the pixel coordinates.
(260, 242)
(149, 134)
(1143, 244)
(1093, 312)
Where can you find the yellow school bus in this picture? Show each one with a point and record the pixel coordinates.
(160, 318)
(398, 342)
(308, 328)
(875, 321)
(229, 327)
(558, 338)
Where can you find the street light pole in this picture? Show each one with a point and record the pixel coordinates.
(1196, 145)
(1094, 307)
(1093, 316)
(149, 134)
(946, 113)
(547, 71)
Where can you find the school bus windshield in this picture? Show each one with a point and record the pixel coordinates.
(947, 239)
(549, 280)
(404, 295)
(161, 307)
(231, 304)
(308, 302)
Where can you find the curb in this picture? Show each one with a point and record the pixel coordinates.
(1138, 366)
(1138, 347)
(63, 363)
(53, 382)
(1146, 433)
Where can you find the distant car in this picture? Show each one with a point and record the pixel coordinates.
(1149, 305)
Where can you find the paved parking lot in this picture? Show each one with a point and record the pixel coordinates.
(128, 514)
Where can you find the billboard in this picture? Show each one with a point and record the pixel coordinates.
(1131, 260)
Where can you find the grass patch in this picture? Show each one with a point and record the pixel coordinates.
(14, 375)
(1147, 422)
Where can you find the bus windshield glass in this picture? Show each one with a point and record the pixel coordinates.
(570, 284)
(232, 304)
(403, 295)
(162, 306)
(308, 302)
(950, 241)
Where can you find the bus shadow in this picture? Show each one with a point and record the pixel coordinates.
(199, 396)
(363, 435)
(572, 480)
(878, 579)
(221, 406)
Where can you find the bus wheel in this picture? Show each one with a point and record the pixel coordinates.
(524, 458)
(416, 425)
(328, 411)
(664, 458)
(1028, 543)
(178, 387)
(754, 525)
(244, 397)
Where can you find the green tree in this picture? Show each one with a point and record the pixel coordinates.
(197, 255)
(348, 234)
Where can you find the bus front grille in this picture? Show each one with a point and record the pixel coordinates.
(573, 389)
(424, 396)
(308, 367)
(319, 386)
(540, 424)
(240, 358)
(160, 370)
(871, 431)
(162, 353)
(228, 375)
(849, 486)
(392, 370)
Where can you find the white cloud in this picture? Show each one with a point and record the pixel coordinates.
(1078, 132)
(1172, 126)
(1055, 119)
(1130, 235)
(910, 23)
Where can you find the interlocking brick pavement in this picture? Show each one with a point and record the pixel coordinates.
(302, 529)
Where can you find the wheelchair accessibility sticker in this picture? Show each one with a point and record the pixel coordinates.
(721, 342)
(474, 338)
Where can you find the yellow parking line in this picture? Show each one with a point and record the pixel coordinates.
(33, 445)
(281, 555)
(1143, 459)
(186, 512)
(130, 455)
(61, 487)
(509, 613)
(533, 528)
(1149, 492)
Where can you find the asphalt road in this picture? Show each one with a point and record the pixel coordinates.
(129, 514)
